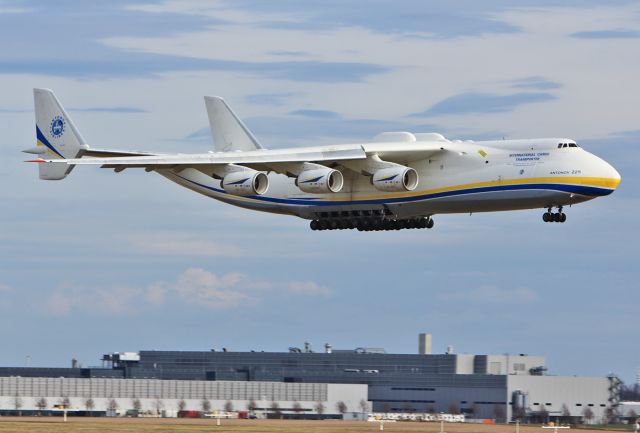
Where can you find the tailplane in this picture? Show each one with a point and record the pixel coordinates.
(229, 133)
(57, 136)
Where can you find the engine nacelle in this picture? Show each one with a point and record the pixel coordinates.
(245, 182)
(320, 180)
(395, 179)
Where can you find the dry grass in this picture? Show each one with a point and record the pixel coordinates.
(172, 425)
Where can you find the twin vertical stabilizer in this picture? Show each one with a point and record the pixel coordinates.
(229, 133)
(57, 136)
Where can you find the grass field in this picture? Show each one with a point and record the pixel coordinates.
(174, 425)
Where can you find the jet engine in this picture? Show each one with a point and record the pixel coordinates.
(394, 179)
(320, 180)
(245, 182)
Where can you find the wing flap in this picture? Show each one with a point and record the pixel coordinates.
(101, 153)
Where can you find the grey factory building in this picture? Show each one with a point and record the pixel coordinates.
(501, 387)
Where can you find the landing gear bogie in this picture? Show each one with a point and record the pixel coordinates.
(371, 224)
(555, 217)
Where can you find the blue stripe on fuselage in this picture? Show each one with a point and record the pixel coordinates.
(575, 189)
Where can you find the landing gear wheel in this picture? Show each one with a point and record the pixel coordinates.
(314, 225)
(563, 217)
(430, 223)
(556, 217)
(546, 217)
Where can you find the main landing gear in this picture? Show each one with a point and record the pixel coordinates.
(550, 217)
(370, 224)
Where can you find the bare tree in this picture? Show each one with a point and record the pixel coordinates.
(136, 404)
(341, 407)
(182, 405)
(89, 405)
(112, 405)
(609, 415)
(364, 406)
(297, 407)
(159, 405)
(453, 408)
(632, 415)
(65, 402)
(588, 414)
(41, 404)
(228, 406)
(251, 405)
(275, 408)
(544, 413)
(519, 413)
(17, 404)
(566, 413)
(498, 412)
(475, 410)
(205, 405)
(319, 408)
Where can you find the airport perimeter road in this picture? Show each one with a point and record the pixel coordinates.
(172, 425)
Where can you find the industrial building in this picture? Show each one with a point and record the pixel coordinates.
(167, 397)
(502, 387)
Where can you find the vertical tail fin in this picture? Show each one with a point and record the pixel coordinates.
(56, 134)
(229, 133)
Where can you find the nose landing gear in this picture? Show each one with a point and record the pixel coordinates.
(550, 217)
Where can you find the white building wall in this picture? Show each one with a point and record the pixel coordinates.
(578, 393)
(512, 364)
(166, 394)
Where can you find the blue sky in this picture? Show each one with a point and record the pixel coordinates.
(103, 262)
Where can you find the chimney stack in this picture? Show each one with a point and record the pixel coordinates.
(424, 344)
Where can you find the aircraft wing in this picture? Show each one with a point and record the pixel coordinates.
(357, 157)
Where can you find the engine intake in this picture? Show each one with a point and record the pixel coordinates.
(245, 182)
(395, 179)
(320, 180)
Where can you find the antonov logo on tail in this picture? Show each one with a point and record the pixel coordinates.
(399, 180)
(57, 127)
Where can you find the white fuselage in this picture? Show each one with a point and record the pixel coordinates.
(466, 177)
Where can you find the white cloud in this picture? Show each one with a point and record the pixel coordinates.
(108, 301)
(195, 288)
(200, 287)
(493, 295)
(5, 288)
(308, 288)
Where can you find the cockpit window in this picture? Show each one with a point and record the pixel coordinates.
(563, 145)
(573, 145)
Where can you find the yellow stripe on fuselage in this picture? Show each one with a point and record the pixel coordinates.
(597, 182)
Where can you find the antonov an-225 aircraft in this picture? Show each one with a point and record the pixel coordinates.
(398, 181)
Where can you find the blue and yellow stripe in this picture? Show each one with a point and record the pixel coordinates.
(42, 141)
(586, 186)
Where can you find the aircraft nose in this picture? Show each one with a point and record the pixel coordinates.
(610, 176)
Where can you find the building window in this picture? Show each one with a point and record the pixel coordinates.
(578, 404)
